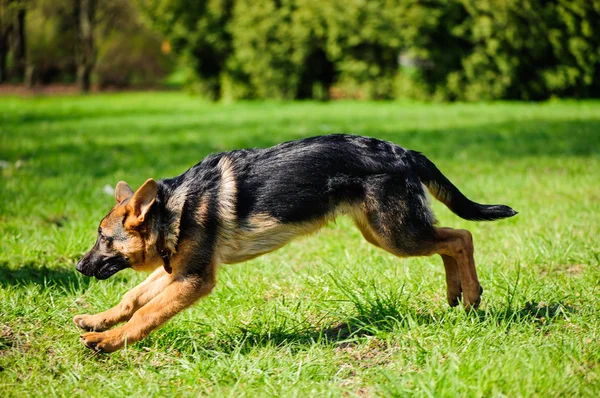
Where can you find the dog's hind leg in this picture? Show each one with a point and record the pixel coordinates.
(456, 248)
(452, 280)
(131, 302)
(399, 220)
(458, 245)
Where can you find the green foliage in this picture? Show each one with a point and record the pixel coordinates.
(575, 40)
(267, 47)
(199, 33)
(429, 49)
(52, 38)
(363, 41)
(530, 49)
(377, 49)
(533, 49)
(128, 52)
(132, 56)
(432, 49)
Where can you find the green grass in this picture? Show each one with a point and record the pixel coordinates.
(327, 315)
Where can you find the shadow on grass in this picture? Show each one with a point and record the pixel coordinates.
(351, 332)
(30, 273)
(375, 322)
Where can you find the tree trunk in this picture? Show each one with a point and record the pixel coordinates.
(20, 45)
(30, 76)
(84, 78)
(87, 54)
(3, 41)
(3, 55)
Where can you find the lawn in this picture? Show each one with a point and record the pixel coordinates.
(327, 315)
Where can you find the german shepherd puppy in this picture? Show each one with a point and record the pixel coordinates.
(235, 206)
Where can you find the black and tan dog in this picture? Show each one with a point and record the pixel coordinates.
(237, 205)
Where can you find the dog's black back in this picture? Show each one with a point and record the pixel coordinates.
(378, 183)
(300, 180)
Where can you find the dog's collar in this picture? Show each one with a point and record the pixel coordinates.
(164, 252)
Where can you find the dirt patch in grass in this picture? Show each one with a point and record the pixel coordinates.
(376, 352)
(568, 269)
(10, 340)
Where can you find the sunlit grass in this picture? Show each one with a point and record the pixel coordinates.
(328, 314)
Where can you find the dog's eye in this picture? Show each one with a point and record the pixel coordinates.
(102, 236)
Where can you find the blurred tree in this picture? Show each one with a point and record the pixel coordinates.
(282, 48)
(86, 50)
(575, 42)
(67, 43)
(12, 38)
(20, 43)
(363, 39)
(132, 55)
(432, 48)
(97, 18)
(52, 28)
(5, 29)
(199, 31)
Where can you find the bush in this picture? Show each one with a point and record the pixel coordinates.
(268, 49)
(132, 58)
(427, 49)
(529, 49)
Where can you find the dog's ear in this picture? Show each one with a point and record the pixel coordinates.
(143, 199)
(122, 191)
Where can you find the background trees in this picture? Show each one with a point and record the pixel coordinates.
(293, 49)
(78, 41)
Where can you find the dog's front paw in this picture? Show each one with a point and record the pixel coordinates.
(90, 323)
(102, 342)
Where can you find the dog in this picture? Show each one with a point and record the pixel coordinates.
(235, 206)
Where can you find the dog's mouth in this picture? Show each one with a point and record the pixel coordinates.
(108, 270)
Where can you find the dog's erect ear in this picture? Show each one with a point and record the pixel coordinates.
(122, 191)
(143, 198)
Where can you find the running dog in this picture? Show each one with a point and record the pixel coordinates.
(235, 206)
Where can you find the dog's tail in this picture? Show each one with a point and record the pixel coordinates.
(444, 191)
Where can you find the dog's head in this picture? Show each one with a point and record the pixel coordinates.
(123, 234)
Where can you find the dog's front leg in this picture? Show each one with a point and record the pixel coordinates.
(131, 302)
(178, 295)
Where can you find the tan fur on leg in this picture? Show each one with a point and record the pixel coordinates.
(180, 294)
(131, 302)
(452, 280)
(458, 244)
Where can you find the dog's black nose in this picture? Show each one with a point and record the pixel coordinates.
(79, 266)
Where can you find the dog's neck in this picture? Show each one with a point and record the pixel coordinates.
(169, 209)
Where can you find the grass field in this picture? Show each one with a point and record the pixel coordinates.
(327, 315)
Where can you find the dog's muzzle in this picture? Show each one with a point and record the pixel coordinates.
(83, 267)
(101, 269)
(79, 267)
